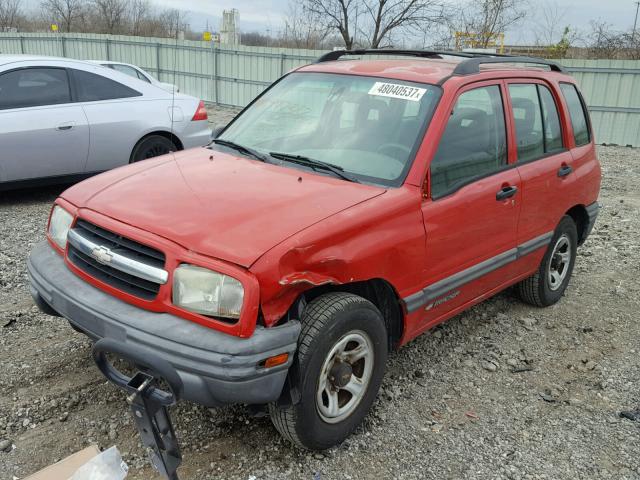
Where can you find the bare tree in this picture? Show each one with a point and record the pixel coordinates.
(487, 18)
(336, 15)
(10, 11)
(376, 21)
(111, 14)
(549, 24)
(384, 18)
(604, 42)
(139, 11)
(302, 29)
(66, 12)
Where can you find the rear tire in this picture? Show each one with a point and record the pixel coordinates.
(342, 349)
(547, 285)
(152, 146)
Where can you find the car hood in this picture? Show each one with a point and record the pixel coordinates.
(216, 204)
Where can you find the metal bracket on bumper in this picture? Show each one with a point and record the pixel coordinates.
(147, 400)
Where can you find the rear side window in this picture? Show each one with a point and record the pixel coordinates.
(91, 87)
(551, 121)
(536, 120)
(474, 143)
(527, 115)
(34, 87)
(126, 70)
(577, 113)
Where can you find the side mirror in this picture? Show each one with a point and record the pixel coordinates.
(217, 130)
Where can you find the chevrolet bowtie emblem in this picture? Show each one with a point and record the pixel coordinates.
(102, 255)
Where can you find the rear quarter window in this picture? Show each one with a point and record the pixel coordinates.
(579, 119)
(91, 87)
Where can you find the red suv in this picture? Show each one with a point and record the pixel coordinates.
(353, 205)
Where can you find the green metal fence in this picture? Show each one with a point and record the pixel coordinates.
(235, 75)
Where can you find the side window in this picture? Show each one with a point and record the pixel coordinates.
(577, 113)
(33, 87)
(92, 87)
(528, 120)
(125, 69)
(551, 121)
(142, 77)
(474, 143)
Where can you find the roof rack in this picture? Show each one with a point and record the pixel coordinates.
(472, 65)
(336, 54)
(469, 66)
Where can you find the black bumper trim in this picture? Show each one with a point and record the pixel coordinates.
(215, 368)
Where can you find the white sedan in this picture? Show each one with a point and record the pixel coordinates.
(62, 119)
(137, 72)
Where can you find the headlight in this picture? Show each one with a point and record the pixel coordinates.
(59, 225)
(207, 292)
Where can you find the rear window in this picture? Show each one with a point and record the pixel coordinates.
(33, 87)
(92, 87)
(578, 115)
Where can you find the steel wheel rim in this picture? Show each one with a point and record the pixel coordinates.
(559, 262)
(334, 401)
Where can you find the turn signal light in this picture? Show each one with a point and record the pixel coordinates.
(276, 360)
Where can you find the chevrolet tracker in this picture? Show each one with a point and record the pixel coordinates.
(356, 203)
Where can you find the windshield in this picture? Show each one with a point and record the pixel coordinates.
(368, 127)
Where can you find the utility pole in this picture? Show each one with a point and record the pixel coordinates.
(635, 23)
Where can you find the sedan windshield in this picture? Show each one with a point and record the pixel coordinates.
(366, 128)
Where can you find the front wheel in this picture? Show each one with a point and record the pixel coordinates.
(548, 284)
(342, 352)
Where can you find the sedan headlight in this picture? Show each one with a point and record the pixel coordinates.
(59, 225)
(204, 291)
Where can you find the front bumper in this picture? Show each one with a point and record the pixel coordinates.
(215, 368)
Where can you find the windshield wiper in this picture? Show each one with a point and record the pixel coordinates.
(242, 149)
(314, 164)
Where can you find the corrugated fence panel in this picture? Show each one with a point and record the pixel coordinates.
(234, 75)
(612, 90)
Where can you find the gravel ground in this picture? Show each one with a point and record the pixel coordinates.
(503, 391)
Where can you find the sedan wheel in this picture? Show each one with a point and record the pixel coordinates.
(152, 146)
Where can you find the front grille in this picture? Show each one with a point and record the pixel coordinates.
(117, 244)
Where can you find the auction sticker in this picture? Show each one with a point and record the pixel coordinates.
(395, 90)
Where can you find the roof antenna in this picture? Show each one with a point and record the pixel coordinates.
(173, 88)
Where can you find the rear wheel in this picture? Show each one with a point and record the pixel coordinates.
(152, 146)
(342, 351)
(548, 284)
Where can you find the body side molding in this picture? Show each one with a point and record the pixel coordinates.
(441, 287)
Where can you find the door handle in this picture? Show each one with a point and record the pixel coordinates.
(564, 170)
(506, 192)
(65, 127)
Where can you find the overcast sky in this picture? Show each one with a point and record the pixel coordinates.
(267, 14)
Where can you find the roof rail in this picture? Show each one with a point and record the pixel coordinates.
(472, 65)
(336, 54)
(469, 66)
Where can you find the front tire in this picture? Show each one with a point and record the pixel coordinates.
(547, 285)
(341, 357)
(152, 146)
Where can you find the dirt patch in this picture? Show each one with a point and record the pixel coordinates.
(502, 391)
